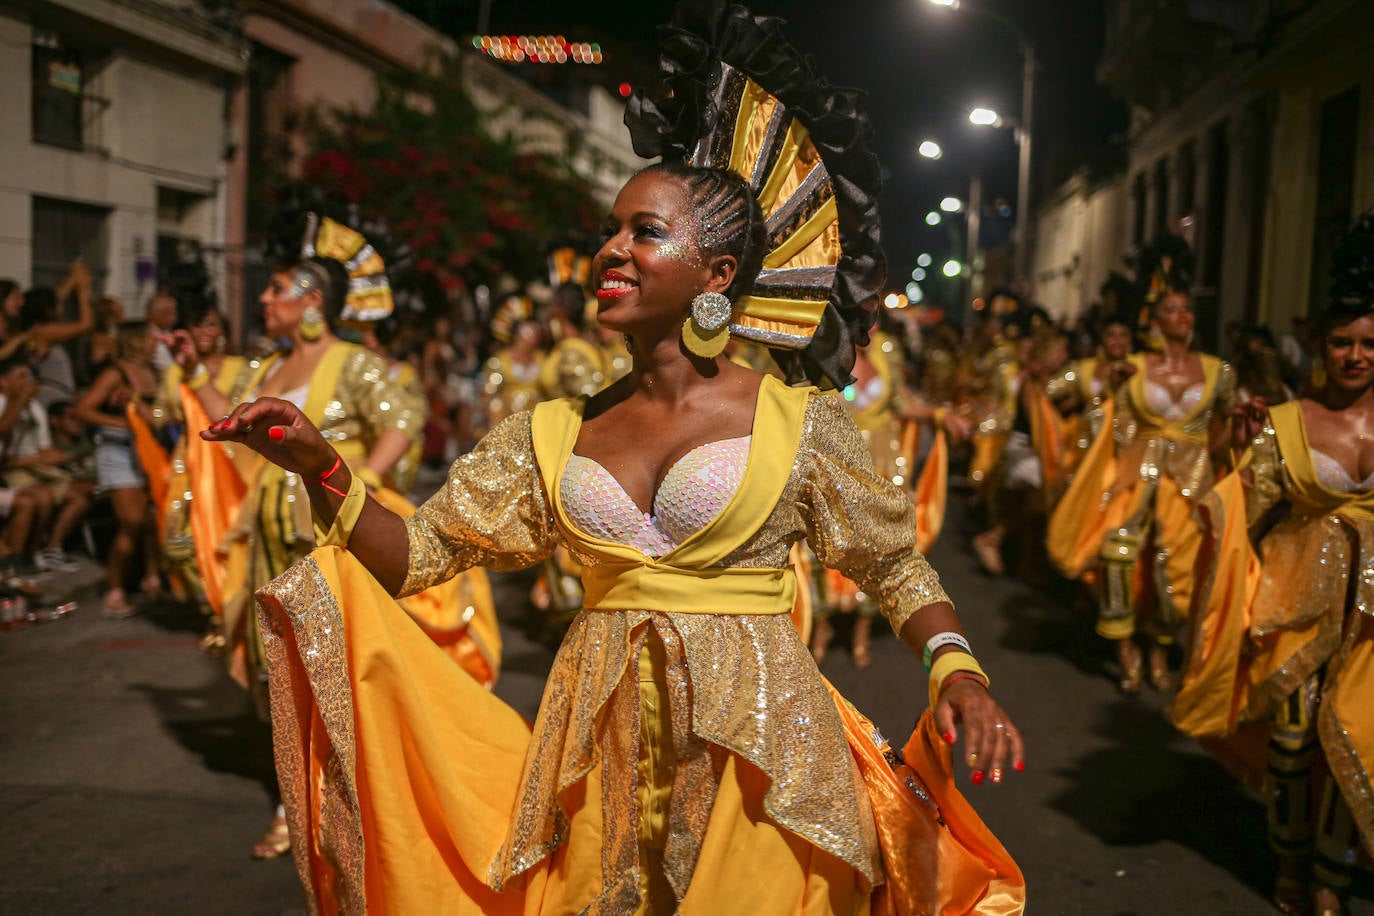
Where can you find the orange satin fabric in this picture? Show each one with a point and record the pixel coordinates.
(932, 493)
(401, 773)
(460, 615)
(157, 466)
(219, 492)
(1082, 517)
(1212, 694)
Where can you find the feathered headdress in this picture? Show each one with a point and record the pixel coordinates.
(308, 225)
(740, 97)
(568, 265)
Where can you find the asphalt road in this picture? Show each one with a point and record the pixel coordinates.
(132, 771)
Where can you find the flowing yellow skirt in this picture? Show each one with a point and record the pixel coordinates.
(400, 776)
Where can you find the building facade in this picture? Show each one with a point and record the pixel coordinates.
(114, 140)
(1252, 135)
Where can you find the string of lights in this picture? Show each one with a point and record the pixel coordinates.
(538, 49)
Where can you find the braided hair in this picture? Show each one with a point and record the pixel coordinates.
(731, 221)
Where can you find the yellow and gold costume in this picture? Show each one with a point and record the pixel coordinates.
(510, 384)
(995, 372)
(178, 541)
(1283, 650)
(573, 367)
(660, 774)
(893, 443)
(352, 400)
(1132, 502)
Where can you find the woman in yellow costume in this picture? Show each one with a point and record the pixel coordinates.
(511, 375)
(1083, 391)
(337, 278)
(1280, 673)
(889, 417)
(687, 756)
(206, 332)
(1133, 498)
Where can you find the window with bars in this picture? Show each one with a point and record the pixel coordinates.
(58, 87)
(64, 231)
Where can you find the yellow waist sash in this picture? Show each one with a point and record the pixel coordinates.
(653, 586)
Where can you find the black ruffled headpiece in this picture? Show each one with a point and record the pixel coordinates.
(807, 162)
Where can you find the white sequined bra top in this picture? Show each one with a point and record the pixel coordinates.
(695, 490)
(1162, 402)
(1333, 475)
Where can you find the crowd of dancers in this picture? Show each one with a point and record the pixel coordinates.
(636, 429)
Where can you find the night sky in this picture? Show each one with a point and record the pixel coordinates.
(923, 68)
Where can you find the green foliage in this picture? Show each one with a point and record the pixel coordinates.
(470, 204)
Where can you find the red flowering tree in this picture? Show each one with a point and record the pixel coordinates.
(470, 204)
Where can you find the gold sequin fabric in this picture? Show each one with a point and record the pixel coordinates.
(299, 617)
(742, 684)
(1188, 463)
(1317, 568)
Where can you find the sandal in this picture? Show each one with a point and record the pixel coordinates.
(275, 841)
(1132, 671)
(1161, 678)
(116, 606)
(1292, 894)
(989, 553)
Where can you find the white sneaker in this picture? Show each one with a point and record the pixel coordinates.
(55, 559)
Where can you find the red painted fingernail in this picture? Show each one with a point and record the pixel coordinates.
(276, 433)
(949, 737)
(1020, 766)
(977, 777)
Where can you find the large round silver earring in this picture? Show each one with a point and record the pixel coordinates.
(707, 329)
(312, 323)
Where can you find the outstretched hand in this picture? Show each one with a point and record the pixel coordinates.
(991, 741)
(278, 431)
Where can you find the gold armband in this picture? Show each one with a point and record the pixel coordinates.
(949, 663)
(347, 516)
(369, 476)
(199, 379)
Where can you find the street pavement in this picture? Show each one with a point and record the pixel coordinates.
(133, 772)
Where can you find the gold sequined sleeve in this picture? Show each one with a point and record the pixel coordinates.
(1265, 484)
(490, 512)
(1063, 385)
(367, 382)
(856, 520)
(1126, 425)
(1228, 386)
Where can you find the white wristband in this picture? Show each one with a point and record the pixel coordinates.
(940, 640)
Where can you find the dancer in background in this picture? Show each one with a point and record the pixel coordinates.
(337, 278)
(890, 418)
(1283, 643)
(1170, 435)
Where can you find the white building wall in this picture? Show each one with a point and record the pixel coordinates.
(1080, 239)
(163, 126)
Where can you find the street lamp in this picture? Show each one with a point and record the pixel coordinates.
(925, 260)
(985, 117)
(952, 269)
(930, 149)
(1023, 134)
(951, 205)
(933, 218)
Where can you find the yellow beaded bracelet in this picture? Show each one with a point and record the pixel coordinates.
(948, 663)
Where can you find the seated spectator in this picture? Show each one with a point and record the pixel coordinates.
(32, 464)
(162, 320)
(33, 321)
